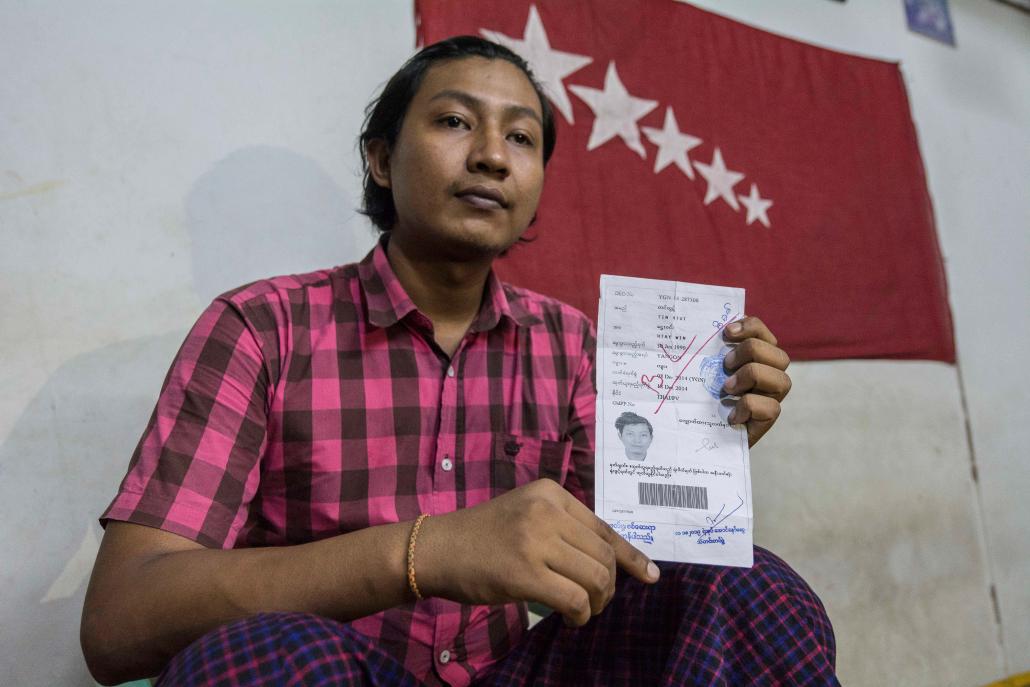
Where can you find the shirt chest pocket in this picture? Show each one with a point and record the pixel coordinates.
(518, 460)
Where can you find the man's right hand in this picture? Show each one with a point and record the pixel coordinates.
(534, 543)
(153, 592)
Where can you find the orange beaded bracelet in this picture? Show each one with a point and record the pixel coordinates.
(411, 555)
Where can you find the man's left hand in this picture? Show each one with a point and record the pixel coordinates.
(757, 367)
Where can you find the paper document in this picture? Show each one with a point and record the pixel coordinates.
(672, 476)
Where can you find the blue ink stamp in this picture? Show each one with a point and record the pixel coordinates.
(713, 372)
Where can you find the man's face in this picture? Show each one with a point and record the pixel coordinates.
(636, 439)
(467, 169)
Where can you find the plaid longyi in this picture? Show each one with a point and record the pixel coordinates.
(705, 626)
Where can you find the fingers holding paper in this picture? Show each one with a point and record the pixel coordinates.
(758, 376)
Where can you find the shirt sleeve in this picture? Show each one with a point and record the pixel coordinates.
(582, 412)
(196, 467)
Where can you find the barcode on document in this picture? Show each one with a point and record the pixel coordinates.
(673, 495)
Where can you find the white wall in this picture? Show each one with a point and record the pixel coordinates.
(140, 144)
(137, 140)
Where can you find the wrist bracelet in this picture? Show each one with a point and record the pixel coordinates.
(411, 555)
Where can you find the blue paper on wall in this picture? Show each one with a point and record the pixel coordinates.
(930, 18)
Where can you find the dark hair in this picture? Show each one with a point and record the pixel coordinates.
(629, 418)
(385, 114)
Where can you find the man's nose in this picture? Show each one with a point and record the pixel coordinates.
(489, 154)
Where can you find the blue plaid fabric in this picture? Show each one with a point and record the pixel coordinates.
(700, 625)
(288, 649)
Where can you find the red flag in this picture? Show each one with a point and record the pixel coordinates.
(695, 148)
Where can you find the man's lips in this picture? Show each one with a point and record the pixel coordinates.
(483, 197)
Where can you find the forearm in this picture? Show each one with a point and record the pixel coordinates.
(138, 615)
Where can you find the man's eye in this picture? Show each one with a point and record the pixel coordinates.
(453, 122)
(522, 139)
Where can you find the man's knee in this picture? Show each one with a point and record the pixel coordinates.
(766, 600)
(771, 587)
(771, 574)
(742, 592)
(267, 642)
(281, 630)
(303, 627)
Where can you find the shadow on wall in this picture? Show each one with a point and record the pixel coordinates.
(260, 211)
(263, 211)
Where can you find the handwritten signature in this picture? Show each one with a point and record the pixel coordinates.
(717, 520)
(709, 535)
(706, 445)
(726, 310)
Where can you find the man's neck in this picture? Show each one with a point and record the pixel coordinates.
(448, 292)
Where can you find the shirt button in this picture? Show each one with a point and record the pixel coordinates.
(450, 371)
(446, 464)
(445, 656)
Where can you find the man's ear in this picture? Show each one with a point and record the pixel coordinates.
(378, 155)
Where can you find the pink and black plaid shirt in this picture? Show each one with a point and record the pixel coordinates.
(307, 406)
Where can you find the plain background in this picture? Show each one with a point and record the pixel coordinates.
(154, 154)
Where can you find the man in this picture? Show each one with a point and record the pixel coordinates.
(636, 434)
(352, 476)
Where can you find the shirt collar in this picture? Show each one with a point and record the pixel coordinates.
(501, 301)
(388, 302)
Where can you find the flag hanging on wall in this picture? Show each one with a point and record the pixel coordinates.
(695, 148)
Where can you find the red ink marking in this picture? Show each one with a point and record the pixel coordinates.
(671, 386)
(680, 356)
(646, 381)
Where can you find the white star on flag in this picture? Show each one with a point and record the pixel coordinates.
(673, 145)
(720, 180)
(549, 66)
(756, 206)
(615, 112)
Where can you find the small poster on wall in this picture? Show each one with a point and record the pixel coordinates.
(930, 18)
